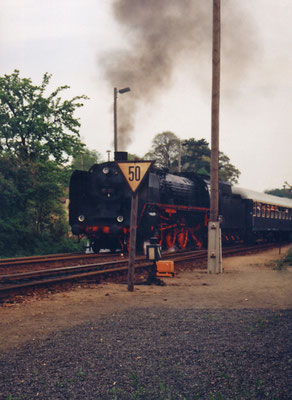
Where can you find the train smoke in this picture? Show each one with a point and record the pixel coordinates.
(162, 35)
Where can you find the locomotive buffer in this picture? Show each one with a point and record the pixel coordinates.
(134, 173)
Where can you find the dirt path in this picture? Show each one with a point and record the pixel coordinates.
(247, 282)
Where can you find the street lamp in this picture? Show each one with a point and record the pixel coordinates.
(121, 91)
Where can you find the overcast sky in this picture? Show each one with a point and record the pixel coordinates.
(82, 43)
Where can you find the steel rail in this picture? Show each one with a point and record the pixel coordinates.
(67, 273)
(61, 258)
(7, 262)
(55, 275)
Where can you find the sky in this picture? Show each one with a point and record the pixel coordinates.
(162, 49)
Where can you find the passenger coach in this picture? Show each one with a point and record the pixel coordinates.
(261, 216)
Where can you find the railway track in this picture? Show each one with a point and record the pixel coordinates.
(51, 275)
(20, 263)
(46, 276)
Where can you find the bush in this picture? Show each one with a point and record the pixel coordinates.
(32, 244)
(286, 260)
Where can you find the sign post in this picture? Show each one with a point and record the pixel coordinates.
(133, 228)
(134, 173)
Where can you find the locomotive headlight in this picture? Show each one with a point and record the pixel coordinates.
(81, 218)
(105, 170)
(152, 213)
(120, 218)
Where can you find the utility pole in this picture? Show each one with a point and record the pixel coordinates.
(115, 120)
(214, 231)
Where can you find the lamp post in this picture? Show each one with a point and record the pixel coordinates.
(116, 91)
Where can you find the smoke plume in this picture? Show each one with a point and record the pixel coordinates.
(162, 35)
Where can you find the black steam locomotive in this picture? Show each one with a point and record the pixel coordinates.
(174, 208)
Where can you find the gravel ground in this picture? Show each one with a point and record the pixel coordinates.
(160, 353)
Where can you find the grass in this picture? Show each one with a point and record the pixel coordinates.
(283, 262)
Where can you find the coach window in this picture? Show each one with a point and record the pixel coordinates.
(287, 213)
(283, 213)
(268, 211)
(272, 212)
(258, 209)
(254, 209)
(276, 212)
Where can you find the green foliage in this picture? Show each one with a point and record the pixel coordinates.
(34, 126)
(164, 150)
(286, 260)
(227, 171)
(31, 211)
(195, 156)
(133, 157)
(38, 134)
(280, 192)
(85, 158)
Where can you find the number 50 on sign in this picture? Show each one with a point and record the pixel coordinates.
(134, 172)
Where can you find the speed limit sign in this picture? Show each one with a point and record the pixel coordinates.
(134, 172)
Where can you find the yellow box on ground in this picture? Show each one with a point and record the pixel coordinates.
(165, 268)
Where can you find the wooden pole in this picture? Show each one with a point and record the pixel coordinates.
(214, 206)
(133, 226)
(214, 230)
(115, 120)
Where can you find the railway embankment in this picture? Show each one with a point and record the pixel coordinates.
(199, 337)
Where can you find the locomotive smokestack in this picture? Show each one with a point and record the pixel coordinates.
(121, 156)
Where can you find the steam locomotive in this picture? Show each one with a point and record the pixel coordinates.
(174, 208)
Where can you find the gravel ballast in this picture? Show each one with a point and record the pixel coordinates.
(160, 353)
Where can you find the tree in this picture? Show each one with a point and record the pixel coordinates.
(133, 157)
(34, 125)
(38, 135)
(164, 150)
(280, 192)
(85, 159)
(227, 171)
(196, 156)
